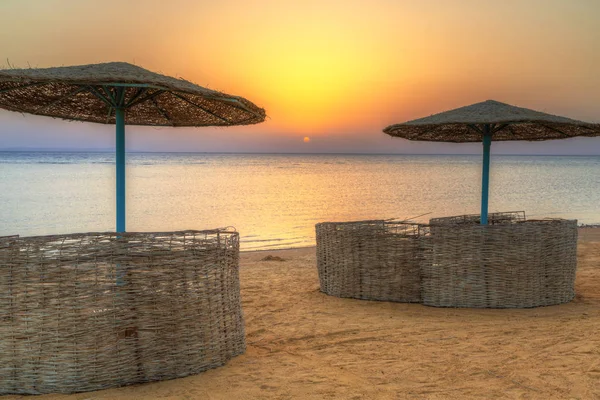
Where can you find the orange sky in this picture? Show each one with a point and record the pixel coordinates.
(334, 71)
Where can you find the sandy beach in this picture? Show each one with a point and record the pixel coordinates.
(303, 344)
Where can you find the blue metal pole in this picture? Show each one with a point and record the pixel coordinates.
(120, 120)
(485, 178)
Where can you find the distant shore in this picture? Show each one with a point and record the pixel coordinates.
(112, 150)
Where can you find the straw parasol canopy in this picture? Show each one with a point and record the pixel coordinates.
(93, 92)
(120, 93)
(487, 121)
(507, 122)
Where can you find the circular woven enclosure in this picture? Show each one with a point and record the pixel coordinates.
(372, 260)
(91, 311)
(515, 265)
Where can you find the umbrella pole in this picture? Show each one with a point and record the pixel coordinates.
(120, 122)
(123, 278)
(120, 147)
(485, 176)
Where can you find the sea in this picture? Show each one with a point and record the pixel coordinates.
(275, 200)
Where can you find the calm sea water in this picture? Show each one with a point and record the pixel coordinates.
(274, 201)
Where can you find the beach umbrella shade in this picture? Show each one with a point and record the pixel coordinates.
(120, 93)
(487, 121)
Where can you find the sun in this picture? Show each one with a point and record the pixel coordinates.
(306, 139)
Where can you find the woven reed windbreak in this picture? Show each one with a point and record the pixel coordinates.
(91, 311)
(372, 260)
(507, 217)
(517, 265)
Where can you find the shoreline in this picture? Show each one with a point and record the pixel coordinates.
(283, 249)
(587, 230)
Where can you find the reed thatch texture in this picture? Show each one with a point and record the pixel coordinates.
(507, 217)
(67, 326)
(372, 260)
(516, 265)
(507, 123)
(91, 92)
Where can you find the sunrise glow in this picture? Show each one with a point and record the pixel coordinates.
(341, 70)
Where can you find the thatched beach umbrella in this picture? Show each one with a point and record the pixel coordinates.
(120, 93)
(487, 121)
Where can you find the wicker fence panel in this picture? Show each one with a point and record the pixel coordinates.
(507, 217)
(373, 260)
(517, 265)
(90, 311)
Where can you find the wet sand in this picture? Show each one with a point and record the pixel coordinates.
(303, 344)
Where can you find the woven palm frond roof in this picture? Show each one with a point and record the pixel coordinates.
(506, 122)
(91, 93)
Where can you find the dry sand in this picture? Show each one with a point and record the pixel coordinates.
(303, 344)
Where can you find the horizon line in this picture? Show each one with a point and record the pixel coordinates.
(111, 151)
